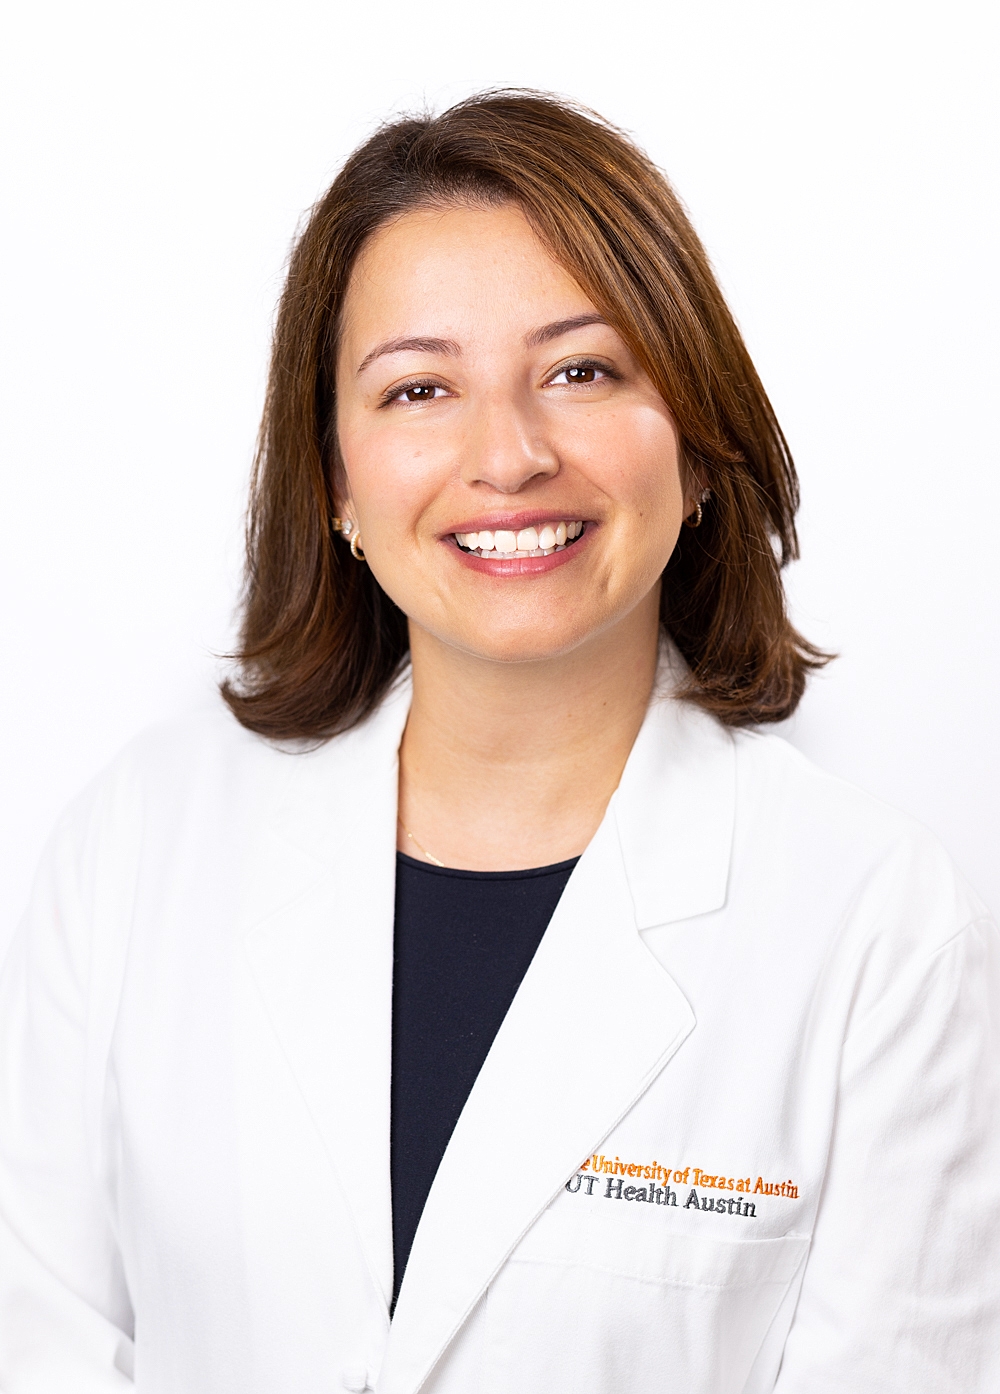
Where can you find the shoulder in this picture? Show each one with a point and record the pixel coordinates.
(805, 829)
(173, 763)
(208, 752)
(186, 778)
(777, 779)
(204, 771)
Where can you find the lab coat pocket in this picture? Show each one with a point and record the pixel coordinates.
(595, 1302)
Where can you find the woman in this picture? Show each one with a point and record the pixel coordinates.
(486, 1007)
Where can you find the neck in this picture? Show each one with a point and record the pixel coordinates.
(511, 765)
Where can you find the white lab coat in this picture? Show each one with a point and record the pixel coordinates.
(738, 1132)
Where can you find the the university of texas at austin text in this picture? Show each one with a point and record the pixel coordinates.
(609, 1177)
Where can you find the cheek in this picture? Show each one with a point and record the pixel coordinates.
(389, 479)
(634, 457)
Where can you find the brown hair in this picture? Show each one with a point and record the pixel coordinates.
(321, 641)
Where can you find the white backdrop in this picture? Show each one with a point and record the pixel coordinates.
(838, 158)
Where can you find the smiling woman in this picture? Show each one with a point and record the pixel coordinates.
(338, 1034)
(457, 230)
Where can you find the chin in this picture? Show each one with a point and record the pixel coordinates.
(522, 645)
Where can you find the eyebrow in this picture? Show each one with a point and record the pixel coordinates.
(544, 335)
(417, 345)
(558, 327)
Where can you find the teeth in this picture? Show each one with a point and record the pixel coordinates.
(529, 542)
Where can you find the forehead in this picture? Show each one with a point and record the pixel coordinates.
(456, 269)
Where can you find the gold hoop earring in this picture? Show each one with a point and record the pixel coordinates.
(346, 529)
(693, 520)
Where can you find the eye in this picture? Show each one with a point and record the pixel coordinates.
(581, 374)
(414, 392)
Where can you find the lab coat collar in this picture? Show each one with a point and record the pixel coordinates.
(675, 806)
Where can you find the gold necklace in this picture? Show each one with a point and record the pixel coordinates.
(419, 845)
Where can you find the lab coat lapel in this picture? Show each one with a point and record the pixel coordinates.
(322, 958)
(594, 1022)
(676, 809)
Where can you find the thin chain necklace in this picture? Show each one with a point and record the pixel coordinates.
(419, 845)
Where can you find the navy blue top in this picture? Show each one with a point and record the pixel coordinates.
(463, 942)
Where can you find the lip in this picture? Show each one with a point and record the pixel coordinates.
(513, 522)
(526, 568)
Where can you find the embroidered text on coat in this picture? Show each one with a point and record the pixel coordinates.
(615, 1189)
(685, 1176)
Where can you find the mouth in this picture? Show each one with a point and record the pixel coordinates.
(543, 540)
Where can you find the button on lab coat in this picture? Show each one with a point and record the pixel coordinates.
(738, 1132)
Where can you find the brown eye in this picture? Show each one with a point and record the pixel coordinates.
(422, 392)
(581, 375)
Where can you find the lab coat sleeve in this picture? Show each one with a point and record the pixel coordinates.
(65, 1318)
(901, 1290)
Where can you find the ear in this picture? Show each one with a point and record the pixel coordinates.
(343, 503)
(695, 489)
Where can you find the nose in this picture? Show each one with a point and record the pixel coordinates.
(506, 448)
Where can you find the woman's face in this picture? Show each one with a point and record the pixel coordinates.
(514, 474)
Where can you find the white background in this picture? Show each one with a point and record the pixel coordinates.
(838, 161)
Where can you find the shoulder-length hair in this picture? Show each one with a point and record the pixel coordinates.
(320, 641)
